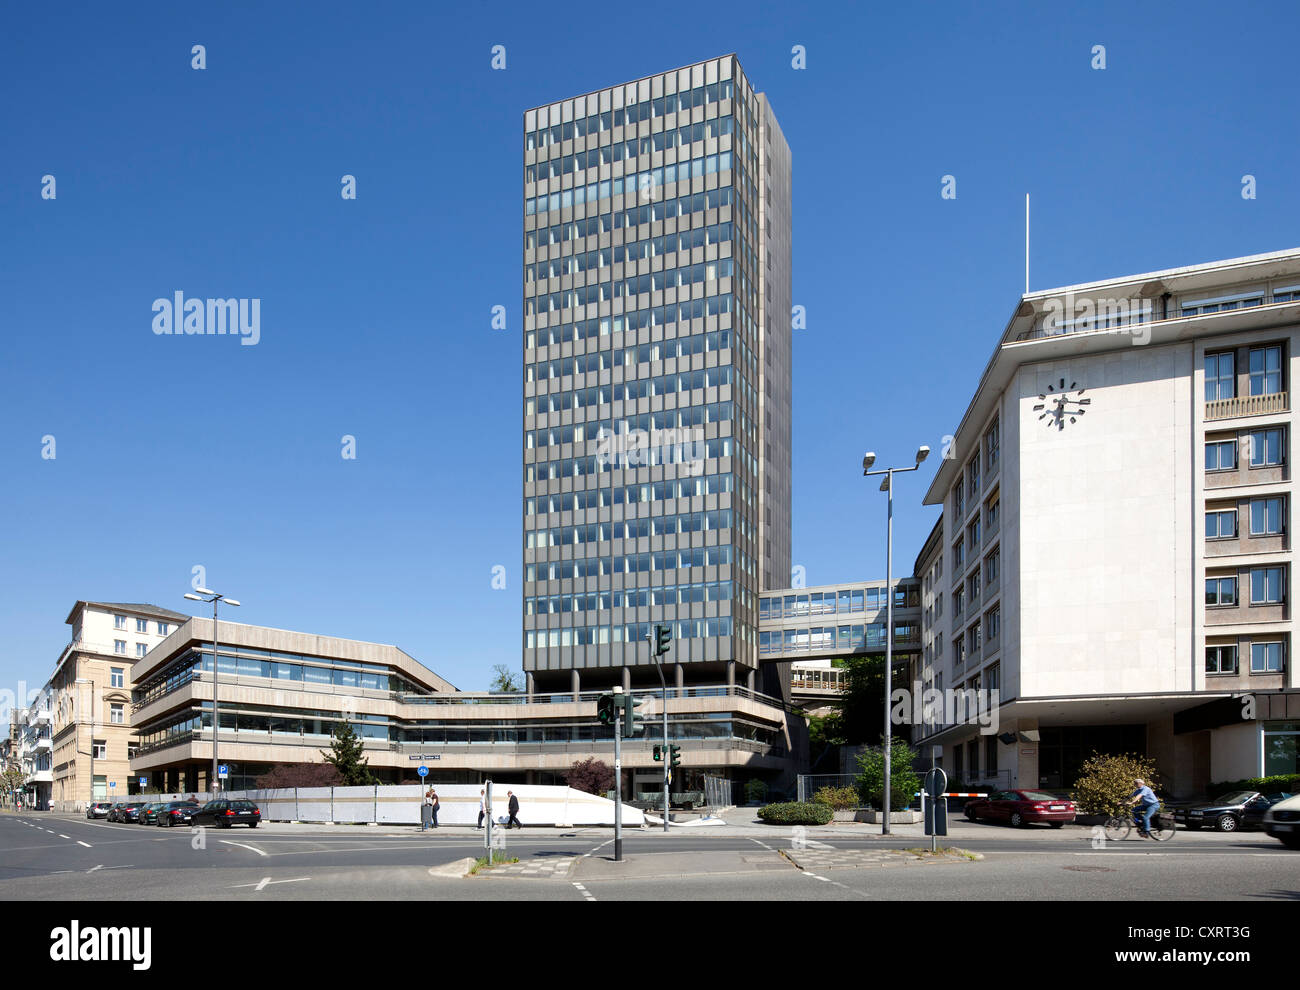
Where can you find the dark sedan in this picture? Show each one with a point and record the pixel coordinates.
(149, 813)
(1253, 815)
(130, 813)
(1225, 813)
(224, 813)
(177, 813)
(1018, 808)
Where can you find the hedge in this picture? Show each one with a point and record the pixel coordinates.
(796, 813)
(1288, 782)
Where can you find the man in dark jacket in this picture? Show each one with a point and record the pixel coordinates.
(513, 820)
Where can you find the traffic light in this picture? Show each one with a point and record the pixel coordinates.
(633, 719)
(663, 638)
(659, 753)
(675, 756)
(605, 709)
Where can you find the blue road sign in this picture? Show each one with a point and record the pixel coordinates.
(223, 772)
(112, 783)
(423, 771)
(144, 781)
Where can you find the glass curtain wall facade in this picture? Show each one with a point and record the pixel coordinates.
(656, 433)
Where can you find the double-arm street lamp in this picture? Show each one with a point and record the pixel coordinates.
(887, 485)
(214, 598)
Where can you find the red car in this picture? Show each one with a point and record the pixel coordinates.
(1019, 808)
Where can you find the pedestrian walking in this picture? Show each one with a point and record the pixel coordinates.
(433, 810)
(513, 806)
(426, 810)
(482, 807)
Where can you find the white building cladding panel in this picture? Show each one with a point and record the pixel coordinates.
(1106, 525)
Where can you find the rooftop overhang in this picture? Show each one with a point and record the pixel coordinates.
(1068, 710)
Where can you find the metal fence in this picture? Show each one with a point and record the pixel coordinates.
(719, 792)
(810, 784)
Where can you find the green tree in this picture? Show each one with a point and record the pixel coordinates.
(1105, 782)
(346, 757)
(903, 780)
(862, 705)
(505, 680)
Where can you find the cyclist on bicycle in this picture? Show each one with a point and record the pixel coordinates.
(1148, 804)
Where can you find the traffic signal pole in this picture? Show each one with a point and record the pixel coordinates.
(667, 771)
(618, 778)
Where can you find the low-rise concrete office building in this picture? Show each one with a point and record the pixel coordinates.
(281, 693)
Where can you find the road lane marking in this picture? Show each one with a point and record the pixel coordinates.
(265, 881)
(62, 836)
(86, 844)
(763, 844)
(94, 868)
(585, 892)
(598, 848)
(243, 846)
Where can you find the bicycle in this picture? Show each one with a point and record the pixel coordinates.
(1162, 826)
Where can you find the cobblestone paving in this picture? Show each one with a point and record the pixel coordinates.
(544, 869)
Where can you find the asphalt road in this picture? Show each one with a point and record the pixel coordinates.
(68, 858)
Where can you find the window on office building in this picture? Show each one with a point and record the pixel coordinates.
(1266, 370)
(1266, 449)
(993, 622)
(1266, 516)
(1266, 586)
(992, 446)
(117, 677)
(119, 646)
(1221, 455)
(116, 713)
(142, 625)
(1220, 376)
(1220, 591)
(1221, 524)
(1265, 658)
(100, 749)
(141, 649)
(1221, 659)
(119, 622)
(164, 628)
(990, 755)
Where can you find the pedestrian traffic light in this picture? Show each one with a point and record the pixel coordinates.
(675, 756)
(633, 719)
(659, 753)
(605, 709)
(663, 638)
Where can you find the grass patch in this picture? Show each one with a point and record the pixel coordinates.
(483, 863)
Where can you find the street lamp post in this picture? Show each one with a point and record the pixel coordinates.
(216, 706)
(887, 485)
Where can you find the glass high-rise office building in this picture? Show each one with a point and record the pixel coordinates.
(657, 315)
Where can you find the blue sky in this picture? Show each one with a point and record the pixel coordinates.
(181, 451)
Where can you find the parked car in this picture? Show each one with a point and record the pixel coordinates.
(149, 813)
(1224, 813)
(176, 813)
(130, 813)
(1019, 808)
(1253, 815)
(98, 809)
(115, 811)
(224, 812)
(1282, 821)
